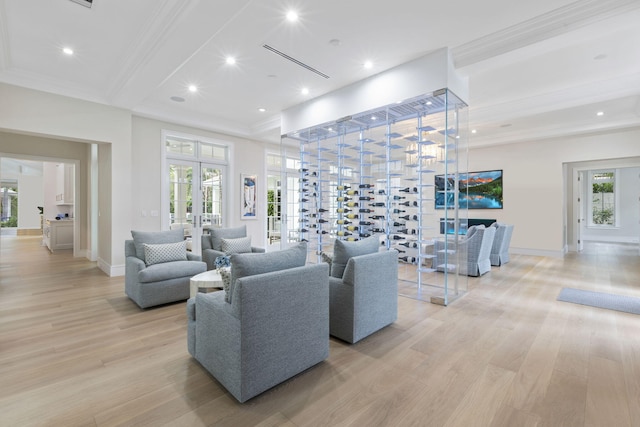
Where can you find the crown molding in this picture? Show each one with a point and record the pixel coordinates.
(557, 22)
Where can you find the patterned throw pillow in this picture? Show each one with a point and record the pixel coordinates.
(167, 252)
(236, 246)
(225, 274)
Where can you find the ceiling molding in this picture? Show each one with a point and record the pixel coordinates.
(148, 43)
(557, 22)
(5, 53)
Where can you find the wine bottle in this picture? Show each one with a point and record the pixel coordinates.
(409, 217)
(351, 204)
(378, 204)
(322, 232)
(398, 224)
(365, 198)
(398, 197)
(377, 230)
(343, 221)
(351, 239)
(351, 227)
(314, 173)
(304, 200)
(304, 230)
(351, 192)
(403, 231)
(343, 210)
(377, 217)
(377, 192)
(409, 203)
(303, 190)
(343, 199)
(343, 187)
(343, 233)
(365, 223)
(410, 259)
(397, 211)
(303, 220)
(303, 170)
(394, 237)
(365, 185)
(322, 220)
(321, 210)
(303, 180)
(303, 210)
(351, 216)
(365, 210)
(409, 190)
(364, 235)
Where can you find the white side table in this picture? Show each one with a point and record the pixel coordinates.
(205, 282)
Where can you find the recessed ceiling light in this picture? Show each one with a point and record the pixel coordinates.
(177, 98)
(368, 64)
(429, 102)
(292, 16)
(305, 91)
(262, 110)
(473, 131)
(67, 51)
(600, 113)
(374, 118)
(230, 60)
(193, 88)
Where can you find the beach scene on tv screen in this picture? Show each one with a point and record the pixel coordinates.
(478, 190)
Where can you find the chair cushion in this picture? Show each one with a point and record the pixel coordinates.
(165, 252)
(170, 270)
(154, 238)
(217, 234)
(241, 245)
(342, 251)
(250, 264)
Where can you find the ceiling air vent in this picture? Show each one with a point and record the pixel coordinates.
(86, 3)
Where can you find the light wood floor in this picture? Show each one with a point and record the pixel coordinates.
(74, 351)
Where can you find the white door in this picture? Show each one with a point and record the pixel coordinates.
(582, 194)
(195, 198)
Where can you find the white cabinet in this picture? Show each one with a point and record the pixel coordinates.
(65, 179)
(58, 234)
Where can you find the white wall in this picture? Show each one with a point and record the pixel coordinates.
(55, 117)
(30, 196)
(146, 177)
(535, 200)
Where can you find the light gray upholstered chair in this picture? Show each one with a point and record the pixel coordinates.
(276, 325)
(502, 240)
(363, 290)
(212, 243)
(151, 285)
(477, 247)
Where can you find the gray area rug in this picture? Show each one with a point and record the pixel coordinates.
(601, 300)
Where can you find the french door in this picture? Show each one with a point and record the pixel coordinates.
(195, 198)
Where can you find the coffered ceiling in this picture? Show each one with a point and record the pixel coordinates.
(536, 69)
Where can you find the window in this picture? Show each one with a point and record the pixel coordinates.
(602, 198)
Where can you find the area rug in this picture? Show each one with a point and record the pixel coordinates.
(601, 300)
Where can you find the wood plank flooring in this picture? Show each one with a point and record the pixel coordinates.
(74, 351)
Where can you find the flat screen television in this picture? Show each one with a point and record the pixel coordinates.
(477, 190)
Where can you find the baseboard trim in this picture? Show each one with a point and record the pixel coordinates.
(29, 232)
(610, 239)
(110, 270)
(537, 252)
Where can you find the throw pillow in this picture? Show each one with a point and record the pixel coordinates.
(342, 251)
(217, 234)
(154, 238)
(241, 245)
(225, 274)
(167, 252)
(251, 264)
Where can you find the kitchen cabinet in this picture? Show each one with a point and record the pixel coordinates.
(65, 179)
(58, 234)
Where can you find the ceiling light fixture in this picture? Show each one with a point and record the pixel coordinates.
(473, 131)
(262, 110)
(368, 65)
(230, 60)
(305, 91)
(292, 16)
(429, 102)
(193, 88)
(67, 51)
(600, 113)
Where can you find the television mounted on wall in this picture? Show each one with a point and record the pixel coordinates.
(477, 190)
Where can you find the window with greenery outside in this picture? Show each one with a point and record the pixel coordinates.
(603, 198)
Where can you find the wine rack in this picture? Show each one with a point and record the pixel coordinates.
(374, 174)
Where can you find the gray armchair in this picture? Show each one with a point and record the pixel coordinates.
(502, 240)
(365, 299)
(476, 247)
(212, 243)
(276, 325)
(148, 283)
